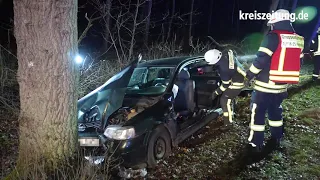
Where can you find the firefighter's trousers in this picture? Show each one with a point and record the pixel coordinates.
(226, 102)
(261, 103)
(316, 64)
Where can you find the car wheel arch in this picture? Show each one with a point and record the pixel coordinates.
(151, 163)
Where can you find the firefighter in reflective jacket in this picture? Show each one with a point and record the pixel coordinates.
(315, 49)
(232, 75)
(277, 65)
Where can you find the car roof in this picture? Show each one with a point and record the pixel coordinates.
(170, 61)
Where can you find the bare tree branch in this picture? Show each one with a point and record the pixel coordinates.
(89, 25)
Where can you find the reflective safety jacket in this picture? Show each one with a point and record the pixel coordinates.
(272, 58)
(314, 47)
(285, 61)
(231, 72)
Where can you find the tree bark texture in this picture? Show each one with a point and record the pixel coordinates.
(46, 36)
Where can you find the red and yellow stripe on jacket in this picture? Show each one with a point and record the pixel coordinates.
(285, 61)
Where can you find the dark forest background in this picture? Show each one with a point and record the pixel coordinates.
(216, 18)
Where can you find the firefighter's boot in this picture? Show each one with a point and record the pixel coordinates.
(314, 78)
(274, 144)
(226, 123)
(254, 153)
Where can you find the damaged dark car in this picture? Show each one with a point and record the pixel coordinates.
(139, 112)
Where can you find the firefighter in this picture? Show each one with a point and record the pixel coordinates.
(315, 49)
(277, 65)
(232, 75)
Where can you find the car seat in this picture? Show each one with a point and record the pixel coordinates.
(184, 103)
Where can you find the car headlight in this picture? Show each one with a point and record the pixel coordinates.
(119, 132)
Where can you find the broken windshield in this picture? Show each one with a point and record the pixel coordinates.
(149, 80)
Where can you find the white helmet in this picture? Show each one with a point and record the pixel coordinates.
(212, 56)
(279, 15)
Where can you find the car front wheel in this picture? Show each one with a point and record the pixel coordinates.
(159, 146)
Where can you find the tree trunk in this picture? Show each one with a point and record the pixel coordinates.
(173, 10)
(107, 24)
(46, 36)
(133, 30)
(273, 7)
(146, 35)
(190, 20)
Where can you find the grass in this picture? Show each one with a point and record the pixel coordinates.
(215, 154)
(300, 158)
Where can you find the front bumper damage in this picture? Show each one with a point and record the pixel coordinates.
(131, 155)
(123, 172)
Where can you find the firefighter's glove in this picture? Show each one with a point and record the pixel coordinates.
(248, 83)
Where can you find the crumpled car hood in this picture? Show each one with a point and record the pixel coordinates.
(95, 108)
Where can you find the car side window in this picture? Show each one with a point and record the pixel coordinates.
(153, 74)
(137, 76)
(162, 73)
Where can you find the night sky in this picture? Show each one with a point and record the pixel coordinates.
(224, 23)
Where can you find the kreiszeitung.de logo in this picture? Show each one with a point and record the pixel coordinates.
(268, 16)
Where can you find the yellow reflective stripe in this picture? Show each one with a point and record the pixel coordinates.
(226, 82)
(222, 88)
(243, 73)
(225, 114)
(275, 123)
(231, 60)
(266, 90)
(281, 59)
(290, 73)
(284, 78)
(266, 50)
(257, 127)
(229, 110)
(238, 84)
(254, 70)
(270, 85)
(253, 112)
(216, 93)
(314, 75)
(318, 50)
(235, 87)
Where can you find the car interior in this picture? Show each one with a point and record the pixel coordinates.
(185, 101)
(163, 78)
(196, 83)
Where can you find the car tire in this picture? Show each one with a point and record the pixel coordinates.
(159, 146)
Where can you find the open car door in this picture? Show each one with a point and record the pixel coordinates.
(95, 108)
(207, 80)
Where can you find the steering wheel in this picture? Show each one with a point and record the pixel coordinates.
(136, 87)
(159, 84)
